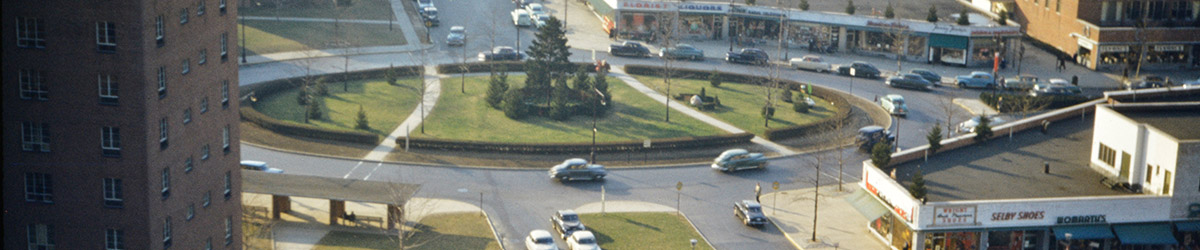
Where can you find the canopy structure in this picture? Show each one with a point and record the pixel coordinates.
(283, 186)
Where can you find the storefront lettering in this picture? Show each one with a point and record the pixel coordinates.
(954, 216)
(949, 29)
(895, 25)
(1026, 215)
(646, 5)
(703, 7)
(993, 32)
(1081, 219)
(1168, 48)
(1112, 48)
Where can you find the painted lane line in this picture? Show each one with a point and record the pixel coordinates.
(352, 170)
(373, 171)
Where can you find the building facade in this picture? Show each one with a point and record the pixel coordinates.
(123, 125)
(1111, 35)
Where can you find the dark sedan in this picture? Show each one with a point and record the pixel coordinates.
(747, 56)
(682, 51)
(500, 53)
(933, 78)
(859, 69)
(912, 81)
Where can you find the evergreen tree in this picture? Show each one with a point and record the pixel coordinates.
(962, 18)
(303, 97)
(314, 109)
(559, 109)
(935, 139)
(600, 82)
(361, 121)
(850, 7)
(497, 86)
(881, 154)
(1003, 17)
(803, 5)
(514, 104)
(548, 56)
(889, 12)
(932, 17)
(390, 74)
(917, 188)
(582, 82)
(714, 78)
(785, 95)
(983, 131)
(321, 88)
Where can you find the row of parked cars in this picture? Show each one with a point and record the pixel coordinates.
(569, 228)
(728, 161)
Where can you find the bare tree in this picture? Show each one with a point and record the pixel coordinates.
(257, 228)
(1025, 105)
(349, 47)
(838, 137)
(666, 35)
(898, 34)
(946, 103)
(410, 232)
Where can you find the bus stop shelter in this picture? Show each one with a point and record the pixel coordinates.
(338, 191)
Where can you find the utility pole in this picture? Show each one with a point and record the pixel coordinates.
(242, 20)
(816, 198)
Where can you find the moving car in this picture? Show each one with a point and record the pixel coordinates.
(933, 78)
(977, 79)
(870, 135)
(1149, 81)
(421, 4)
(521, 18)
(501, 53)
(1054, 89)
(260, 166)
(582, 240)
(1022, 82)
(968, 126)
(810, 62)
(912, 81)
(682, 51)
(535, 9)
(429, 15)
(750, 212)
(739, 159)
(566, 222)
(577, 168)
(747, 56)
(629, 48)
(859, 69)
(894, 104)
(540, 240)
(457, 36)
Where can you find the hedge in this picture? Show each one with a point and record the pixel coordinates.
(1051, 102)
(839, 102)
(269, 88)
(676, 143)
(305, 130)
(509, 66)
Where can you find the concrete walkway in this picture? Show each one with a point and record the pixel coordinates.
(975, 106)
(433, 89)
(403, 21)
(839, 224)
(683, 108)
(622, 207)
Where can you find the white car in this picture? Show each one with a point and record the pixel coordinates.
(540, 240)
(457, 36)
(260, 166)
(521, 18)
(582, 240)
(535, 9)
(894, 104)
(540, 20)
(969, 125)
(421, 4)
(810, 62)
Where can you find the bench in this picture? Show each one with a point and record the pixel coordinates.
(254, 210)
(363, 220)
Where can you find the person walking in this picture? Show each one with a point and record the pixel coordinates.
(757, 192)
(1062, 64)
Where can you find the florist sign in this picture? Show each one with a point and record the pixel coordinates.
(952, 216)
(654, 6)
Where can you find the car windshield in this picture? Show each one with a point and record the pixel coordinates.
(898, 102)
(426, 1)
(456, 32)
(544, 240)
(587, 241)
(570, 217)
(430, 12)
(544, 18)
(754, 209)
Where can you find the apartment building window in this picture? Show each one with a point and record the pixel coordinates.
(167, 232)
(221, 6)
(204, 105)
(108, 89)
(110, 141)
(204, 152)
(191, 211)
(166, 183)
(114, 239)
(114, 196)
(41, 236)
(1107, 155)
(1182, 10)
(162, 82)
(206, 200)
(203, 57)
(188, 164)
(31, 34)
(225, 93)
(228, 185)
(224, 47)
(32, 86)
(1167, 182)
(106, 37)
(162, 133)
(159, 31)
(183, 16)
(187, 66)
(1157, 10)
(225, 139)
(39, 187)
(200, 8)
(208, 244)
(35, 137)
(1058, 6)
(1134, 12)
(228, 230)
(187, 115)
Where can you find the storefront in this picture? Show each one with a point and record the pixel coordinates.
(702, 20)
(605, 10)
(812, 36)
(751, 24)
(644, 21)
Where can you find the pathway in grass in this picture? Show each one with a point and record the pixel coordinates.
(359, 9)
(263, 37)
(616, 231)
(438, 231)
(741, 104)
(385, 105)
(633, 117)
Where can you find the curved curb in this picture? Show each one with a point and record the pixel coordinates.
(701, 233)
(785, 235)
(419, 48)
(492, 226)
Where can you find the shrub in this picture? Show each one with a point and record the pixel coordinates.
(785, 95)
(497, 86)
(320, 88)
(1003, 17)
(803, 5)
(881, 154)
(850, 7)
(390, 74)
(768, 112)
(676, 143)
(962, 18)
(935, 139)
(314, 109)
(514, 104)
(889, 12)
(917, 188)
(800, 106)
(714, 78)
(983, 131)
(361, 121)
(933, 16)
(558, 104)
(304, 130)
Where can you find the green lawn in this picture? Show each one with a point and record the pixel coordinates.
(264, 36)
(386, 106)
(741, 104)
(342, 240)
(615, 231)
(438, 231)
(361, 9)
(634, 117)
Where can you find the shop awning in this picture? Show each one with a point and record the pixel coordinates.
(866, 205)
(947, 41)
(1084, 232)
(1145, 234)
(1188, 226)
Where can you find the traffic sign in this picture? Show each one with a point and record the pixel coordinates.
(678, 186)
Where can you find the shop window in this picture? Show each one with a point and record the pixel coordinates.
(952, 241)
(1107, 155)
(1015, 240)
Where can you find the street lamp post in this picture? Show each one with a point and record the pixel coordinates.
(242, 20)
(601, 101)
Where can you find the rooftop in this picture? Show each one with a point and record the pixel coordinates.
(1179, 121)
(1004, 169)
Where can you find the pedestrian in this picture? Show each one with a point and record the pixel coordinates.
(1062, 64)
(757, 192)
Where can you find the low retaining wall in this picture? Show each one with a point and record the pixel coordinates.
(567, 148)
(509, 66)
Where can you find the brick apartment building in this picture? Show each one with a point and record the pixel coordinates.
(120, 119)
(1105, 35)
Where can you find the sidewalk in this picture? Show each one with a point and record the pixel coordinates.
(433, 89)
(403, 21)
(840, 225)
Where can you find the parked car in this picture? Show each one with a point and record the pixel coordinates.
(535, 9)
(521, 18)
(1191, 84)
(894, 104)
(577, 168)
(739, 159)
(1021, 82)
(682, 51)
(260, 166)
(583, 240)
(429, 15)
(870, 135)
(1149, 81)
(1054, 89)
(1059, 81)
(968, 126)
(540, 240)
(540, 20)
(522, 3)
(747, 56)
(912, 81)
(859, 69)
(977, 79)
(421, 4)
(750, 212)
(501, 53)
(629, 48)
(566, 222)
(810, 62)
(457, 36)
(933, 78)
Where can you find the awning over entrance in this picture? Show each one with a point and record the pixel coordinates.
(947, 41)
(327, 188)
(1145, 234)
(1188, 226)
(866, 205)
(1084, 232)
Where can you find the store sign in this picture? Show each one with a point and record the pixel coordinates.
(655, 6)
(707, 8)
(1081, 219)
(1168, 48)
(948, 216)
(1104, 49)
(757, 11)
(890, 25)
(1085, 44)
(1003, 32)
(1023, 215)
(893, 195)
(948, 29)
